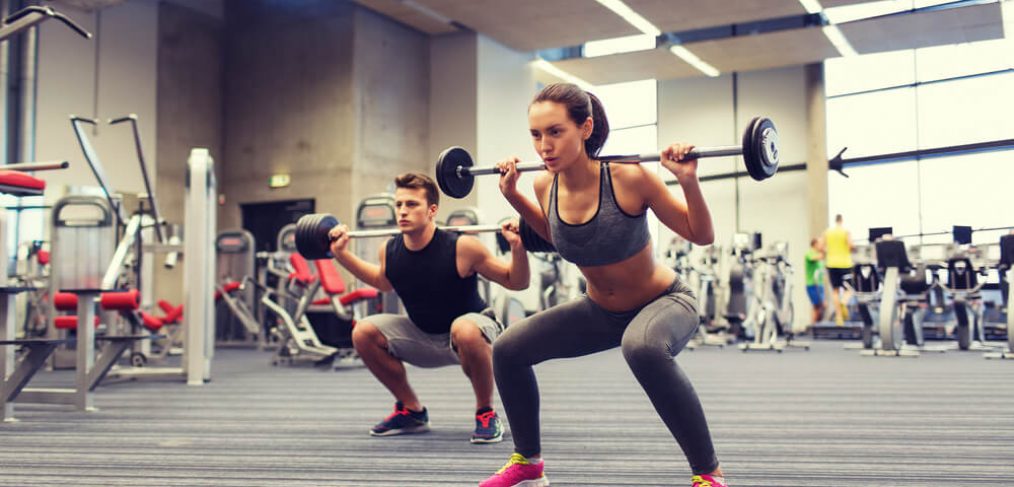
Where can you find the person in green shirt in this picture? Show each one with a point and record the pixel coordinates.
(815, 278)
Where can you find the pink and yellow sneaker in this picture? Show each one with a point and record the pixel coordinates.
(518, 472)
(707, 481)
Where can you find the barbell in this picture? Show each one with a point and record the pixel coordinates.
(314, 242)
(456, 174)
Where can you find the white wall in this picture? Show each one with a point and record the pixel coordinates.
(505, 87)
(704, 111)
(113, 74)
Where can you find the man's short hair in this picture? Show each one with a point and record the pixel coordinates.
(416, 180)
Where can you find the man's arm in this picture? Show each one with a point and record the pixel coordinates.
(372, 274)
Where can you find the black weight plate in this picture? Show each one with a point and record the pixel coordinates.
(749, 155)
(532, 241)
(302, 244)
(766, 148)
(312, 241)
(501, 242)
(324, 226)
(310, 233)
(450, 182)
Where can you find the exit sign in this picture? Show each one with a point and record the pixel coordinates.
(278, 181)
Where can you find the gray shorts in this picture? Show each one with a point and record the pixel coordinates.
(408, 343)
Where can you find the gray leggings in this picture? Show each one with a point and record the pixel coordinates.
(650, 337)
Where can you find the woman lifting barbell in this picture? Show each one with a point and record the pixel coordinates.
(595, 214)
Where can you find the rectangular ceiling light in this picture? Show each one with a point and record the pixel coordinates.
(692, 59)
(634, 18)
(559, 73)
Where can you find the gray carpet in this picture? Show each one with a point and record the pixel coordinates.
(821, 418)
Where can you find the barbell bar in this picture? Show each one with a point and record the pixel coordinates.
(313, 240)
(456, 172)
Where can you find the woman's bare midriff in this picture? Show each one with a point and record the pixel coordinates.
(628, 284)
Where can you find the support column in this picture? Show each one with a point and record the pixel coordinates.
(816, 149)
(7, 322)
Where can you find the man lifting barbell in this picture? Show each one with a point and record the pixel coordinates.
(434, 273)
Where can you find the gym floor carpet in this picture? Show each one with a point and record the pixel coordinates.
(827, 417)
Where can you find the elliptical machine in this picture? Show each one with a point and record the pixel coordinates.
(740, 276)
(902, 303)
(773, 313)
(963, 287)
(704, 278)
(867, 292)
(1006, 269)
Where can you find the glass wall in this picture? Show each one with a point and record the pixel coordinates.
(913, 100)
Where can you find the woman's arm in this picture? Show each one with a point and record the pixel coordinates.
(530, 211)
(690, 219)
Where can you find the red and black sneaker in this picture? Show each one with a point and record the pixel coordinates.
(402, 422)
(488, 428)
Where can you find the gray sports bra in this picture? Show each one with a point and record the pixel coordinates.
(610, 235)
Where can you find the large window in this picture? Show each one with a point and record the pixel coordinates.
(923, 98)
(972, 189)
(910, 101)
(632, 109)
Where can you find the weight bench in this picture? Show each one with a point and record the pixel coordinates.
(37, 351)
(91, 367)
(334, 286)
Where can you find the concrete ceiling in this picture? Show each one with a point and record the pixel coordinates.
(528, 25)
(615, 68)
(674, 16)
(413, 17)
(924, 29)
(797, 46)
(763, 51)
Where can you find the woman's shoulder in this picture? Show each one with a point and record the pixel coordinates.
(631, 175)
(542, 181)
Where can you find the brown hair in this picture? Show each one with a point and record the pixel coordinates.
(580, 105)
(416, 180)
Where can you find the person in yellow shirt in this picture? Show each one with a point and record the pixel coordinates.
(837, 245)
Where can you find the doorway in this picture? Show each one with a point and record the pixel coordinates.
(265, 220)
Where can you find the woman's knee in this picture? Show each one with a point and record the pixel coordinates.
(641, 353)
(509, 347)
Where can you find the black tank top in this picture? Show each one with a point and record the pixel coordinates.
(428, 283)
